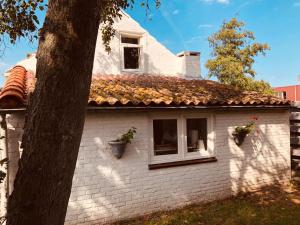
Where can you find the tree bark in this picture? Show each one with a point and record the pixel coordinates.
(56, 112)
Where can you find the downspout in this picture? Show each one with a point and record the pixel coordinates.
(4, 155)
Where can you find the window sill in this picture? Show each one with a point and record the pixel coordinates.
(132, 70)
(181, 163)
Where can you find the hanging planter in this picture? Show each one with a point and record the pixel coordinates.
(241, 132)
(239, 138)
(118, 146)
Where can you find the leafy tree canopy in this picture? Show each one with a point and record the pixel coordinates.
(18, 18)
(233, 57)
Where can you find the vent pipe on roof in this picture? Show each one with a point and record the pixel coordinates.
(190, 67)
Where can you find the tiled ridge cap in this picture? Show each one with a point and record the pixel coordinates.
(13, 92)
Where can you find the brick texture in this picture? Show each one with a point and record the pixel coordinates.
(106, 189)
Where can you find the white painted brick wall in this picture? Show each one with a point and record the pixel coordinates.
(15, 124)
(106, 189)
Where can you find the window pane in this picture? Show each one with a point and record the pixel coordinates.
(281, 94)
(165, 137)
(131, 58)
(196, 134)
(129, 40)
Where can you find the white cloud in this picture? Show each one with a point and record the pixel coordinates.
(225, 2)
(205, 26)
(296, 4)
(175, 12)
(196, 39)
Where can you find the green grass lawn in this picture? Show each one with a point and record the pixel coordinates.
(269, 206)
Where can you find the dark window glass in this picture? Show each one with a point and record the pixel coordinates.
(165, 137)
(131, 58)
(284, 95)
(196, 134)
(281, 94)
(129, 40)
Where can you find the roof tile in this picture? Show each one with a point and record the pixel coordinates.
(13, 92)
(111, 90)
(147, 90)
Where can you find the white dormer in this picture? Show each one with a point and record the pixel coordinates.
(134, 50)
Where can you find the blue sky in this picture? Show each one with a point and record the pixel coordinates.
(186, 24)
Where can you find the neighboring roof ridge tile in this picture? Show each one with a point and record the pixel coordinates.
(13, 93)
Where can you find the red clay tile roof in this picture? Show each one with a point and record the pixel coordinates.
(141, 90)
(14, 91)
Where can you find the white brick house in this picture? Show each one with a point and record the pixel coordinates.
(162, 168)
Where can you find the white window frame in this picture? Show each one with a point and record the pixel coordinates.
(139, 46)
(183, 153)
(209, 152)
(170, 157)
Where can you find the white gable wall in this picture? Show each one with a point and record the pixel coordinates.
(156, 59)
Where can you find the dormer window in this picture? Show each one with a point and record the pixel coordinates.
(131, 53)
(131, 58)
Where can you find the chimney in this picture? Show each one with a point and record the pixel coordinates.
(190, 67)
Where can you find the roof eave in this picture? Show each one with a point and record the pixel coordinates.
(122, 108)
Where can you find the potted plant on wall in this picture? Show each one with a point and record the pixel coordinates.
(240, 132)
(118, 146)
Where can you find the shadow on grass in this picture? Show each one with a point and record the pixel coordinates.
(272, 205)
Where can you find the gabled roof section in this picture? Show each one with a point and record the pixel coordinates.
(171, 91)
(141, 90)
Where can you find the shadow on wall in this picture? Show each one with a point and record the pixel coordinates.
(103, 185)
(14, 135)
(106, 189)
(111, 63)
(107, 61)
(263, 158)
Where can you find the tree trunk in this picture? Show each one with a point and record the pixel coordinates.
(56, 112)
